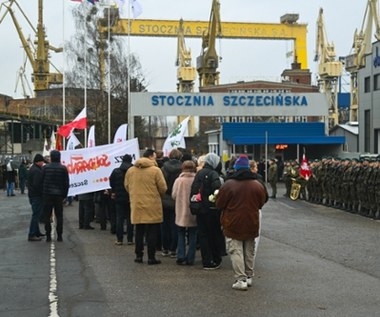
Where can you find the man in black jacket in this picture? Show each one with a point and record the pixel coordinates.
(121, 199)
(55, 186)
(35, 196)
(171, 170)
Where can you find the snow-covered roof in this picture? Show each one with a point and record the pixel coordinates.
(352, 127)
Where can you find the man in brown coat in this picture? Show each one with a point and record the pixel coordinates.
(240, 198)
(145, 184)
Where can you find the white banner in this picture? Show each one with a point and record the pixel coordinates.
(90, 168)
(53, 141)
(121, 134)
(91, 137)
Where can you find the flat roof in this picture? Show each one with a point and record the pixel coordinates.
(278, 133)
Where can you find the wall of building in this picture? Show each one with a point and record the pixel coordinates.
(369, 102)
(351, 139)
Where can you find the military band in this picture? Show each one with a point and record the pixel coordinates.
(348, 184)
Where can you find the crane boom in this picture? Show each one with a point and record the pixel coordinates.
(329, 69)
(208, 61)
(186, 73)
(361, 46)
(42, 77)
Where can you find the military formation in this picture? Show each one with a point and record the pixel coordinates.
(352, 185)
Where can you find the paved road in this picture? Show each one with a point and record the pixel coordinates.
(312, 261)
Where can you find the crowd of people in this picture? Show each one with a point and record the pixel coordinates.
(148, 201)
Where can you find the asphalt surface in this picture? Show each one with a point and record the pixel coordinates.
(312, 261)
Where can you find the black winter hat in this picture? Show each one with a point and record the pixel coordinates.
(38, 158)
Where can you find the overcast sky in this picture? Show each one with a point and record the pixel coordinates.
(241, 59)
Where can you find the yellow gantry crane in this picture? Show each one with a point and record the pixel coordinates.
(42, 78)
(208, 61)
(329, 69)
(296, 32)
(186, 73)
(362, 45)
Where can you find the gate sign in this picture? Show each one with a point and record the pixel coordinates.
(229, 104)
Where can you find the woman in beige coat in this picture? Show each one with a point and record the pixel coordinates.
(145, 184)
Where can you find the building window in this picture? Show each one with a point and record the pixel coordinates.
(367, 131)
(376, 82)
(367, 84)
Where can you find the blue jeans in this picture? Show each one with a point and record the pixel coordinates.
(37, 207)
(10, 188)
(182, 256)
(169, 231)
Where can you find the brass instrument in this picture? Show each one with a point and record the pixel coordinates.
(295, 189)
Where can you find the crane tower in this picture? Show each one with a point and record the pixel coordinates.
(329, 69)
(42, 78)
(361, 47)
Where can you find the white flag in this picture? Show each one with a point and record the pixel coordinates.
(176, 138)
(52, 141)
(121, 134)
(123, 10)
(136, 8)
(45, 151)
(72, 142)
(91, 137)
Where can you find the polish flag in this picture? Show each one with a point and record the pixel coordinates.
(80, 122)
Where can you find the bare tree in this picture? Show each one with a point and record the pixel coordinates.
(90, 56)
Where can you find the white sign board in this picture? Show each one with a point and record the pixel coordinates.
(228, 104)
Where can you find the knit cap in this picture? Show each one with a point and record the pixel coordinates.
(242, 162)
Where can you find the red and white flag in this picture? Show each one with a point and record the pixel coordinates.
(80, 122)
(305, 170)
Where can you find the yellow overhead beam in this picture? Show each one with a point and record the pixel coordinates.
(230, 30)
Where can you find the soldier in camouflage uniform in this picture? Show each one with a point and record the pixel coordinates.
(312, 183)
(319, 182)
(346, 168)
(371, 189)
(377, 190)
(353, 202)
(287, 178)
(363, 187)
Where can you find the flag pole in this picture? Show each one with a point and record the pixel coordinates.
(266, 156)
(85, 77)
(109, 72)
(63, 70)
(131, 124)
